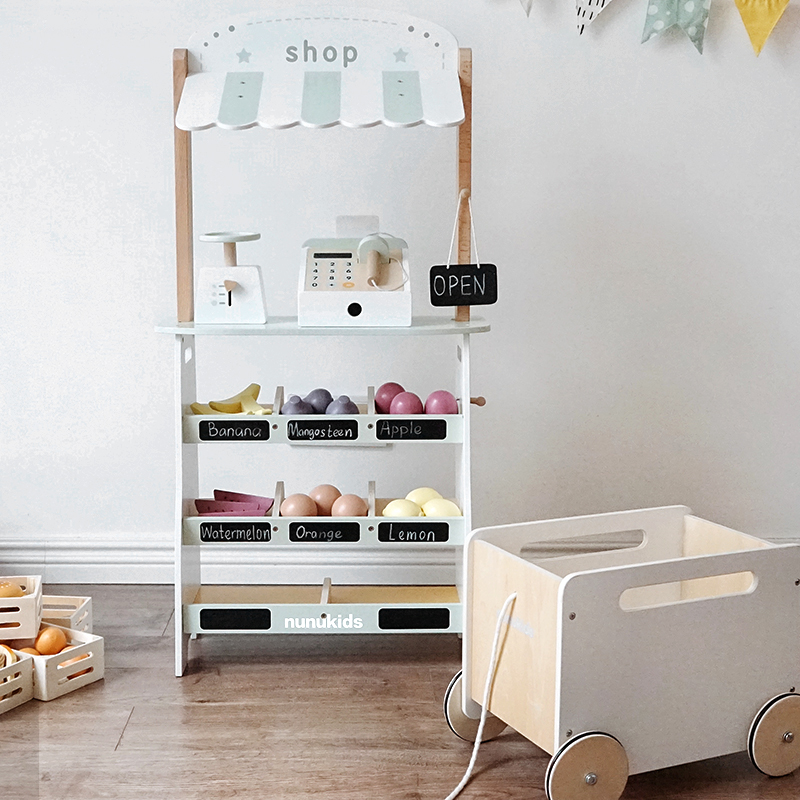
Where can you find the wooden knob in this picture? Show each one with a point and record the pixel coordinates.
(478, 401)
(230, 285)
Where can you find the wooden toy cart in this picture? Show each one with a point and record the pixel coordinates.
(637, 641)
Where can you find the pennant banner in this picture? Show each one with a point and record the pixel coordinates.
(526, 4)
(588, 10)
(759, 18)
(689, 15)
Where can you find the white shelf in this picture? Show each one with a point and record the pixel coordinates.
(327, 609)
(287, 326)
(318, 429)
(333, 532)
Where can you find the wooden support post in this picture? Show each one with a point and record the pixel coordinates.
(464, 244)
(183, 196)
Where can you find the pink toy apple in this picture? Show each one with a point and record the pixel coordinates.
(385, 395)
(441, 402)
(406, 403)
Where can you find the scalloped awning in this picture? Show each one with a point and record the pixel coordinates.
(320, 67)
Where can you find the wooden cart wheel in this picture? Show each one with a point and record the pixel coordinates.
(590, 766)
(463, 726)
(774, 740)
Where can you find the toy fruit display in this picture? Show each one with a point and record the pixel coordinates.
(245, 402)
(349, 505)
(441, 402)
(50, 641)
(319, 400)
(440, 507)
(342, 405)
(422, 502)
(298, 505)
(406, 403)
(384, 396)
(296, 405)
(402, 508)
(421, 495)
(324, 496)
(10, 589)
(265, 503)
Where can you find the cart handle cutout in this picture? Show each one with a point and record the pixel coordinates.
(691, 590)
(588, 544)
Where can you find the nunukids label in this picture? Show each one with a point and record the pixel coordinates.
(421, 532)
(413, 428)
(329, 531)
(234, 430)
(234, 532)
(325, 430)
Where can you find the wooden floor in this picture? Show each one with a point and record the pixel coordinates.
(337, 717)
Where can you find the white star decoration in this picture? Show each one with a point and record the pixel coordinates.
(244, 56)
(400, 55)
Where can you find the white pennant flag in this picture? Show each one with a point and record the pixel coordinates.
(526, 4)
(588, 10)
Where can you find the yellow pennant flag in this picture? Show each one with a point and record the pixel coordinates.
(760, 17)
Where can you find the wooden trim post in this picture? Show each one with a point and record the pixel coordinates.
(463, 240)
(184, 235)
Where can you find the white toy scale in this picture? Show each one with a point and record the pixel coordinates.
(231, 294)
(637, 641)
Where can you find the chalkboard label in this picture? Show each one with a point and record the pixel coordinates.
(322, 430)
(235, 532)
(234, 430)
(421, 532)
(405, 619)
(235, 619)
(329, 531)
(413, 428)
(463, 285)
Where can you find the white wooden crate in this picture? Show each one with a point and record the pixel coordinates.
(20, 616)
(664, 630)
(52, 677)
(16, 683)
(68, 612)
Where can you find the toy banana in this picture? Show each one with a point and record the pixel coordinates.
(233, 405)
(203, 408)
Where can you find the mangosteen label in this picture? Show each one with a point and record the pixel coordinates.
(234, 532)
(323, 430)
(463, 285)
(410, 428)
(328, 530)
(411, 532)
(238, 430)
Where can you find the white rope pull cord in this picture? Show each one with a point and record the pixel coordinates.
(487, 691)
(471, 227)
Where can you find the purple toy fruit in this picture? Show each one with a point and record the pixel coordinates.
(441, 402)
(342, 405)
(319, 399)
(294, 405)
(406, 403)
(385, 395)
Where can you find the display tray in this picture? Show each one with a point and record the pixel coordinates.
(367, 531)
(318, 429)
(326, 609)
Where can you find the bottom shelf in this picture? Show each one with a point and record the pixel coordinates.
(326, 609)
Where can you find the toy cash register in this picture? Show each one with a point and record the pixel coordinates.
(355, 281)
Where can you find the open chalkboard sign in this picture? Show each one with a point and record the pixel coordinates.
(463, 285)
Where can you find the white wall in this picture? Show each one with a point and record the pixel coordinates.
(641, 202)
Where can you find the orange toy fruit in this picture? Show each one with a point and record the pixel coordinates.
(50, 641)
(9, 589)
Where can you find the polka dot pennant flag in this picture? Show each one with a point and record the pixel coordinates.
(588, 10)
(690, 15)
(759, 18)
